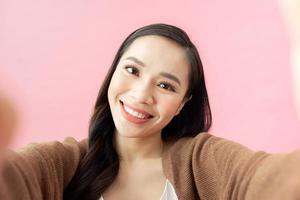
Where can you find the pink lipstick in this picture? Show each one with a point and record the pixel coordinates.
(132, 118)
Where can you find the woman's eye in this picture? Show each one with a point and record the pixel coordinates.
(167, 86)
(132, 70)
(164, 85)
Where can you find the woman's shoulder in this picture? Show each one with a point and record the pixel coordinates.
(185, 143)
(205, 143)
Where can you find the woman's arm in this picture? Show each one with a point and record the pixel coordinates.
(38, 171)
(227, 170)
(41, 171)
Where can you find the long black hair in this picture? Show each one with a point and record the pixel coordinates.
(99, 167)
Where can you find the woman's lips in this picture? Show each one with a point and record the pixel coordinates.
(131, 118)
(148, 115)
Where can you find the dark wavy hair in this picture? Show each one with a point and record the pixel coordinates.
(99, 167)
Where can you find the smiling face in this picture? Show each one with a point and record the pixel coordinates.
(148, 86)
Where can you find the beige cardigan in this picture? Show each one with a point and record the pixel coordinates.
(205, 167)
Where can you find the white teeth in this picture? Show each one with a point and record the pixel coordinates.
(134, 113)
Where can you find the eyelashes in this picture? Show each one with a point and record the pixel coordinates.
(132, 70)
(164, 85)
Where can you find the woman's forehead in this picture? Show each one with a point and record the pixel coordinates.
(158, 51)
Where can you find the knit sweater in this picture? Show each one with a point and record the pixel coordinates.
(205, 167)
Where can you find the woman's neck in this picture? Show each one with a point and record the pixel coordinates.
(137, 149)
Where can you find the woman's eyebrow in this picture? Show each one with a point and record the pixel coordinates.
(170, 76)
(134, 59)
(164, 74)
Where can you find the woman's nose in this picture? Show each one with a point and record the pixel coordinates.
(143, 93)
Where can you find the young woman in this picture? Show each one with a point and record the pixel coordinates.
(154, 92)
(148, 138)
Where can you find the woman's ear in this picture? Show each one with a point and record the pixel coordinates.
(182, 104)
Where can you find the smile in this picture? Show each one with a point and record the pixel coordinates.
(133, 115)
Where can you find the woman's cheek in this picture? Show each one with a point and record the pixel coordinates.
(117, 80)
(170, 106)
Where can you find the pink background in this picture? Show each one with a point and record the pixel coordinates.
(54, 54)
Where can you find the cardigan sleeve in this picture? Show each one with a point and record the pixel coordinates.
(228, 170)
(40, 171)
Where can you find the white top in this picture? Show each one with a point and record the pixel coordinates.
(168, 193)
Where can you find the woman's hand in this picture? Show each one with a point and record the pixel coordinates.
(8, 122)
(290, 10)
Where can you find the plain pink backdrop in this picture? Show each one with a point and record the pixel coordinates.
(55, 55)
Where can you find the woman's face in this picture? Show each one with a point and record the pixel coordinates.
(148, 86)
